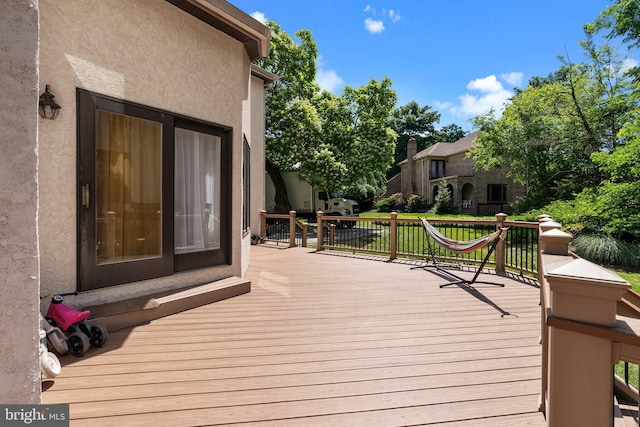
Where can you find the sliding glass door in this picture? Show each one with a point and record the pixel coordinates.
(154, 193)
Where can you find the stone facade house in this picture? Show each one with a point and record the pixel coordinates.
(473, 191)
(151, 177)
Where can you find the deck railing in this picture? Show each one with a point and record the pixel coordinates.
(282, 228)
(582, 334)
(396, 237)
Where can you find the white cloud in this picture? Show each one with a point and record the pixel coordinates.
(492, 96)
(395, 16)
(373, 26)
(513, 78)
(375, 23)
(329, 80)
(442, 105)
(487, 84)
(259, 16)
(628, 64)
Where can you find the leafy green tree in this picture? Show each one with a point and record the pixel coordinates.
(334, 142)
(443, 202)
(549, 130)
(292, 123)
(357, 143)
(449, 133)
(412, 120)
(616, 200)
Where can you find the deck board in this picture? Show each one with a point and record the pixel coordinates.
(321, 340)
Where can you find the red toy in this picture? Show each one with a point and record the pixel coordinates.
(80, 333)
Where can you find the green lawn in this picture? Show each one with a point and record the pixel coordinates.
(633, 277)
(420, 215)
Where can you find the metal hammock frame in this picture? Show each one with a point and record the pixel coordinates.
(461, 247)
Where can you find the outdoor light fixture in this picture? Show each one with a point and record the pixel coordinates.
(47, 106)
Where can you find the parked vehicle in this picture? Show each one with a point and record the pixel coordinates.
(80, 334)
(306, 200)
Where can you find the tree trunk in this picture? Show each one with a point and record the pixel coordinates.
(282, 198)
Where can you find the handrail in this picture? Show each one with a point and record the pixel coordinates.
(283, 228)
(404, 238)
(582, 334)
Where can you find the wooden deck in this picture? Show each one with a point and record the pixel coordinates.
(322, 340)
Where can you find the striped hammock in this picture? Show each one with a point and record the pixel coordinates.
(461, 247)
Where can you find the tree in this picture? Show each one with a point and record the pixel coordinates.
(449, 133)
(412, 120)
(549, 130)
(334, 142)
(443, 203)
(292, 124)
(357, 140)
(616, 200)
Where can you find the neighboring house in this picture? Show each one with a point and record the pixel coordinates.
(152, 175)
(473, 191)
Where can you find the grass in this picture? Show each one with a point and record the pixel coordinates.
(633, 277)
(372, 214)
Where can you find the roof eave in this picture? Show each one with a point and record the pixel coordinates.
(227, 18)
(266, 76)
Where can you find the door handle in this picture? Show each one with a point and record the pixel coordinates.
(85, 195)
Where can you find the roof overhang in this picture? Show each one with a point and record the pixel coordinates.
(263, 74)
(227, 18)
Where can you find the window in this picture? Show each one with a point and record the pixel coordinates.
(246, 185)
(437, 169)
(496, 193)
(154, 192)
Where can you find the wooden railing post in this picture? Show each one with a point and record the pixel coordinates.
(393, 235)
(580, 366)
(501, 245)
(292, 229)
(263, 225)
(305, 233)
(320, 230)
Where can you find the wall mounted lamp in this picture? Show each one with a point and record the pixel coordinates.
(48, 108)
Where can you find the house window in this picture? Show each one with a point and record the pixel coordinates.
(246, 185)
(437, 169)
(154, 192)
(496, 193)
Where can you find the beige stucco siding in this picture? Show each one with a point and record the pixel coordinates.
(20, 368)
(143, 51)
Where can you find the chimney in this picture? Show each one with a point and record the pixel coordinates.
(412, 150)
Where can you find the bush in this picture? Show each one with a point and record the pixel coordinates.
(395, 202)
(606, 250)
(416, 204)
(443, 203)
(385, 205)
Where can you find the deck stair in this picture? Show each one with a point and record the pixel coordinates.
(630, 305)
(626, 404)
(137, 311)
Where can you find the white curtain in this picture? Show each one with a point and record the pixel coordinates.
(197, 191)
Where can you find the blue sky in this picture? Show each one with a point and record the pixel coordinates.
(461, 57)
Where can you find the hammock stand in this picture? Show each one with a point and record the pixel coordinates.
(461, 247)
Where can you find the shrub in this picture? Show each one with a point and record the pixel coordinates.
(606, 250)
(443, 203)
(395, 202)
(385, 205)
(416, 204)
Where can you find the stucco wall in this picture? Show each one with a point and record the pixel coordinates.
(257, 153)
(20, 369)
(143, 51)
